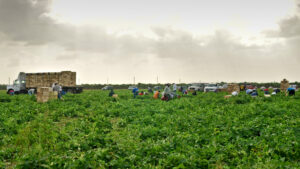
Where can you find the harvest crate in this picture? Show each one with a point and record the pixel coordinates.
(284, 85)
(44, 94)
(233, 87)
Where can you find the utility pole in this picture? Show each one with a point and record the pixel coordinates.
(157, 79)
(107, 81)
(9, 81)
(134, 80)
(179, 81)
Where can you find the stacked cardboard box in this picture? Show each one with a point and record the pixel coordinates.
(284, 85)
(44, 94)
(65, 79)
(30, 80)
(233, 87)
(222, 90)
(53, 78)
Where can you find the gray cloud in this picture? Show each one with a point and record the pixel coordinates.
(26, 25)
(288, 27)
(26, 20)
(29, 21)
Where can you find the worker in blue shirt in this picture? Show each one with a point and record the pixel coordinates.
(135, 92)
(291, 91)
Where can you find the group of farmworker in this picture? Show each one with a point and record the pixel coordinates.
(253, 92)
(169, 92)
(55, 87)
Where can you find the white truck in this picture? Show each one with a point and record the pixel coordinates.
(196, 87)
(27, 81)
(211, 88)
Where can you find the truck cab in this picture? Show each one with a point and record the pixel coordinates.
(18, 86)
(211, 88)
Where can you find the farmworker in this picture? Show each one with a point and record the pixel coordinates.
(156, 95)
(141, 93)
(181, 89)
(277, 90)
(31, 92)
(242, 87)
(174, 87)
(249, 91)
(111, 93)
(172, 95)
(167, 92)
(266, 91)
(291, 91)
(194, 93)
(58, 89)
(254, 93)
(135, 92)
(150, 90)
(167, 89)
(235, 93)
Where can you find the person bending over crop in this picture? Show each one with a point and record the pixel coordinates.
(31, 92)
(111, 93)
(156, 95)
(291, 91)
(174, 87)
(254, 93)
(167, 93)
(150, 90)
(135, 92)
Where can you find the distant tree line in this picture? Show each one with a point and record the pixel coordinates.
(145, 86)
(120, 86)
(2, 87)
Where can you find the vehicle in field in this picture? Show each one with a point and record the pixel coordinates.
(196, 87)
(211, 88)
(224, 86)
(156, 87)
(250, 87)
(293, 86)
(27, 81)
(131, 87)
(107, 88)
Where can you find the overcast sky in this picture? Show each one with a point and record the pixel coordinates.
(176, 40)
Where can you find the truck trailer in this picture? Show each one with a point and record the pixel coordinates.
(27, 81)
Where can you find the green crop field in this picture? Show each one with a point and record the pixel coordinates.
(92, 130)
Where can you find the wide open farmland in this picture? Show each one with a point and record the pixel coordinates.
(92, 130)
